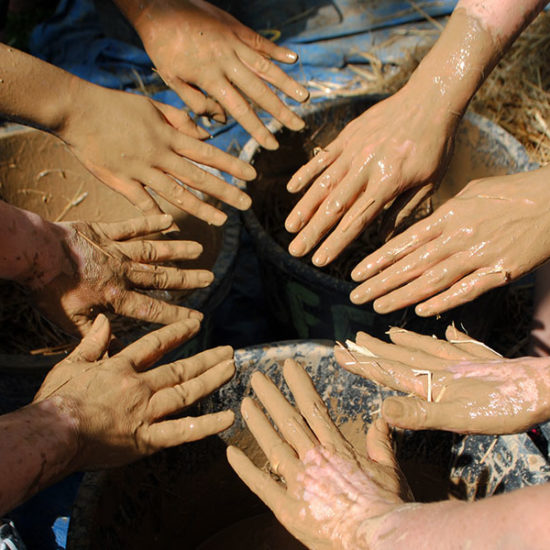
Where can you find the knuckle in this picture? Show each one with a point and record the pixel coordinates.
(148, 251)
(262, 64)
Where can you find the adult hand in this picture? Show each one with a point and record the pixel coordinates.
(132, 143)
(461, 385)
(493, 232)
(118, 407)
(102, 268)
(196, 46)
(397, 148)
(330, 488)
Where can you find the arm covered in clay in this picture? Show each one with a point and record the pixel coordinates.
(128, 141)
(97, 412)
(457, 384)
(400, 148)
(74, 270)
(336, 497)
(197, 47)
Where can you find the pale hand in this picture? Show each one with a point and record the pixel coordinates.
(461, 385)
(493, 232)
(119, 405)
(331, 489)
(196, 46)
(103, 268)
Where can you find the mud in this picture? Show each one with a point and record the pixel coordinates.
(39, 174)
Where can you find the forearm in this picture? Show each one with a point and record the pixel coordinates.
(514, 520)
(34, 92)
(31, 249)
(475, 38)
(38, 443)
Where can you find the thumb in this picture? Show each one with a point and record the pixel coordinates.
(379, 446)
(94, 344)
(416, 414)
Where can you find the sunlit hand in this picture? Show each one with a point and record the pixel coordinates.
(461, 384)
(118, 407)
(493, 232)
(102, 269)
(196, 46)
(331, 488)
(132, 143)
(398, 148)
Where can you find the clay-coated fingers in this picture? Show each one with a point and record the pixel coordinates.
(260, 483)
(428, 344)
(469, 345)
(312, 407)
(150, 348)
(268, 71)
(173, 399)
(170, 433)
(95, 343)
(464, 291)
(181, 121)
(186, 369)
(312, 169)
(182, 198)
(160, 251)
(151, 276)
(205, 153)
(197, 101)
(281, 456)
(379, 445)
(397, 248)
(289, 421)
(135, 227)
(416, 414)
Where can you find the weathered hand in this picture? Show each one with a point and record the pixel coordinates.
(196, 46)
(131, 143)
(331, 488)
(118, 408)
(461, 384)
(493, 232)
(102, 267)
(397, 148)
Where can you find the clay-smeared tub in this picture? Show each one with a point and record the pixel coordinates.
(307, 302)
(39, 174)
(189, 498)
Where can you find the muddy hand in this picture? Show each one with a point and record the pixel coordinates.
(462, 385)
(132, 143)
(493, 232)
(196, 46)
(118, 405)
(393, 148)
(103, 269)
(331, 489)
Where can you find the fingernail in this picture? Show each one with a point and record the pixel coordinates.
(250, 173)
(219, 218)
(197, 315)
(296, 124)
(271, 143)
(293, 225)
(206, 278)
(203, 133)
(381, 307)
(357, 274)
(321, 258)
(220, 117)
(297, 247)
(194, 249)
(244, 202)
(99, 321)
(393, 410)
(291, 56)
(302, 93)
(358, 297)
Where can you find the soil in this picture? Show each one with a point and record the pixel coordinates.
(39, 174)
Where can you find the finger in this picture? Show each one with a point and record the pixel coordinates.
(268, 71)
(422, 262)
(197, 101)
(151, 276)
(281, 456)
(428, 344)
(137, 195)
(150, 348)
(173, 399)
(186, 369)
(262, 45)
(314, 167)
(397, 248)
(160, 251)
(195, 177)
(469, 345)
(95, 343)
(243, 113)
(170, 433)
(286, 417)
(260, 483)
(434, 279)
(181, 121)
(135, 227)
(464, 291)
(183, 199)
(312, 407)
(379, 445)
(416, 414)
